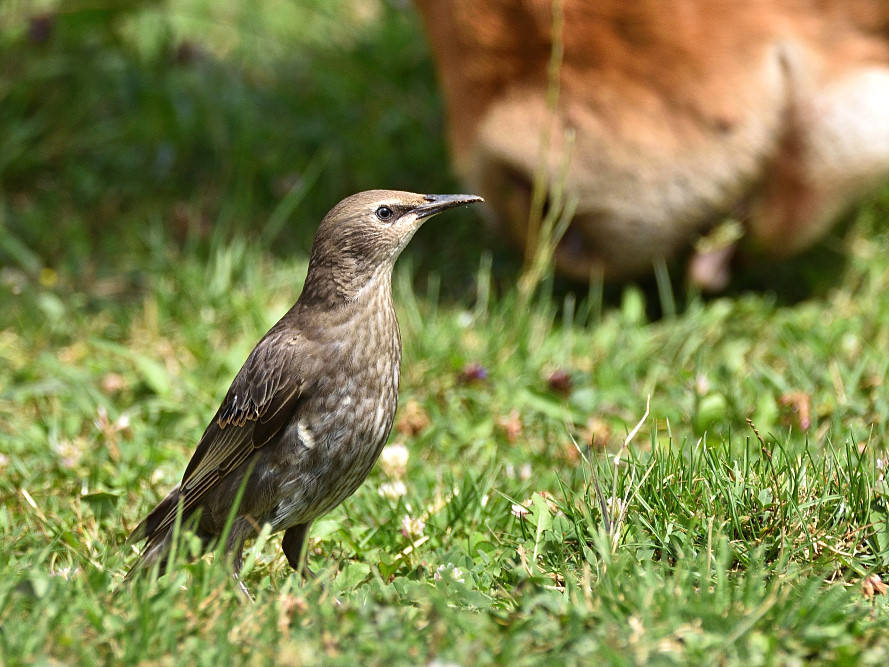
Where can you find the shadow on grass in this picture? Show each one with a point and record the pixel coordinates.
(114, 127)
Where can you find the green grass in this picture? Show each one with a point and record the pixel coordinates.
(131, 293)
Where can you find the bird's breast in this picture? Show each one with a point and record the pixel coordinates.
(348, 414)
(361, 397)
(344, 420)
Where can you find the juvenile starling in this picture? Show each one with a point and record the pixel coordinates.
(309, 412)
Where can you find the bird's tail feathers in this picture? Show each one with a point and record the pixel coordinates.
(146, 529)
(159, 539)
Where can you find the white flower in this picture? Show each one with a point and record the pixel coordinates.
(412, 528)
(64, 572)
(615, 506)
(464, 319)
(393, 490)
(123, 422)
(455, 573)
(702, 385)
(69, 451)
(519, 511)
(393, 460)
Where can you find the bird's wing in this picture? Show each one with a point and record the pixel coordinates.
(259, 403)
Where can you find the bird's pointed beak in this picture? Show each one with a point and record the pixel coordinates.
(438, 203)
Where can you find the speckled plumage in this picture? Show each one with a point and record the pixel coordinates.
(309, 412)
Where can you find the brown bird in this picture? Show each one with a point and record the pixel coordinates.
(309, 412)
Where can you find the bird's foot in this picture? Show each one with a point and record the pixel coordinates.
(242, 589)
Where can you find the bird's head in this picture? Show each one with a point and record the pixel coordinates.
(361, 237)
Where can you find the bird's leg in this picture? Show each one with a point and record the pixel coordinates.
(234, 548)
(294, 545)
(242, 589)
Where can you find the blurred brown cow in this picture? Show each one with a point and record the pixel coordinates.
(683, 112)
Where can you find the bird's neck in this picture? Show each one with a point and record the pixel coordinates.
(369, 308)
(342, 289)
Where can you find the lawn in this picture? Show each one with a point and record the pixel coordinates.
(625, 474)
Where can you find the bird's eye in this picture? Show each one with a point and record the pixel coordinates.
(384, 213)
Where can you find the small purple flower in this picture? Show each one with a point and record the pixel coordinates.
(472, 372)
(560, 381)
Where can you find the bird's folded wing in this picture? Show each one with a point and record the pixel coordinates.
(259, 403)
